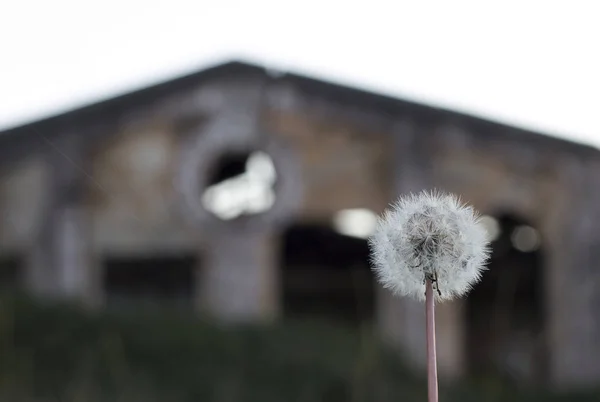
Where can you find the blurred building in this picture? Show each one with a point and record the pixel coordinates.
(247, 194)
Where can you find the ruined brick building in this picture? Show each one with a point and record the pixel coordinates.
(119, 199)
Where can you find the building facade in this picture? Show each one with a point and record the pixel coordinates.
(88, 197)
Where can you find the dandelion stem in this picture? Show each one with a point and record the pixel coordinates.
(432, 382)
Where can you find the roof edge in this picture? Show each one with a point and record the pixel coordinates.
(340, 93)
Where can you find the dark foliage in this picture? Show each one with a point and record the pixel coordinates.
(59, 353)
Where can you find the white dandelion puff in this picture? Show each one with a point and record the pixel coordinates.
(429, 236)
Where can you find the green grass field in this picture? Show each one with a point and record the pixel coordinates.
(58, 353)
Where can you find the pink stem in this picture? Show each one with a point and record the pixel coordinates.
(432, 382)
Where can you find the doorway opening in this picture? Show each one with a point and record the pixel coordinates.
(505, 311)
(326, 274)
(11, 272)
(150, 280)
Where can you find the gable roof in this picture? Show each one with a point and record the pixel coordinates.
(117, 105)
(340, 94)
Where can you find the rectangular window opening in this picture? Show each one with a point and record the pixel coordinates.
(153, 279)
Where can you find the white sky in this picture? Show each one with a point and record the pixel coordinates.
(530, 63)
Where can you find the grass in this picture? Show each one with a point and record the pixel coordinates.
(59, 353)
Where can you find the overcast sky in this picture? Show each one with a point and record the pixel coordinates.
(530, 63)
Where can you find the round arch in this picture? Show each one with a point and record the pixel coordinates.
(506, 324)
(220, 152)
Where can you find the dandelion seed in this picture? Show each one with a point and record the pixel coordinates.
(429, 236)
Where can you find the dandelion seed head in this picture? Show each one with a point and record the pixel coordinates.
(429, 235)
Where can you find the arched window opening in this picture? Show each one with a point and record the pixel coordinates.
(240, 184)
(505, 311)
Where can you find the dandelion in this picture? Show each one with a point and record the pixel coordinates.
(429, 246)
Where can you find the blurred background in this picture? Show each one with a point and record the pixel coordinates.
(187, 190)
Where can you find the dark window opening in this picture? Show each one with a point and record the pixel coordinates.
(326, 275)
(240, 184)
(505, 311)
(152, 279)
(11, 272)
(227, 167)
